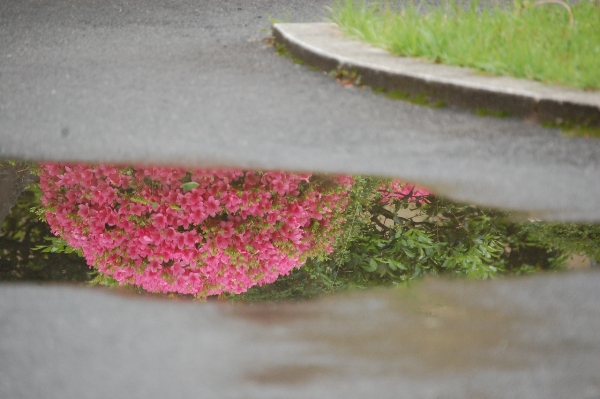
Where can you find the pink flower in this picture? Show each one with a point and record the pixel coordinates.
(159, 221)
(228, 234)
(212, 206)
(279, 186)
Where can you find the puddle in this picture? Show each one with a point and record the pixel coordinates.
(238, 236)
(250, 236)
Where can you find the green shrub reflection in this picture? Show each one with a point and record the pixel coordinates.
(21, 232)
(404, 240)
(384, 244)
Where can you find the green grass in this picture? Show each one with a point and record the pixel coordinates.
(573, 130)
(525, 41)
(419, 99)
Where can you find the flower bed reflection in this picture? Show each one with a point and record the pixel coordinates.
(226, 232)
(200, 232)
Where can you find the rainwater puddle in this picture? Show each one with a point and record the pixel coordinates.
(248, 236)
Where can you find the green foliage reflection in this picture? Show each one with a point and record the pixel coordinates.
(23, 234)
(403, 240)
(383, 244)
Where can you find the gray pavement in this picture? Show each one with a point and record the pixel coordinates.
(528, 338)
(192, 82)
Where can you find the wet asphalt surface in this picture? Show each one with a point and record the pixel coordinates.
(526, 338)
(195, 83)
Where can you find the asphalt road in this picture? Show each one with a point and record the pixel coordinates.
(534, 338)
(194, 83)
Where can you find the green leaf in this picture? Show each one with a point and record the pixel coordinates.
(408, 253)
(186, 187)
(371, 267)
(392, 264)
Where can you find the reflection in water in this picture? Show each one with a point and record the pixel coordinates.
(226, 231)
(22, 231)
(199, 232)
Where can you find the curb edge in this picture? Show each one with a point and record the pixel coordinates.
(531, 104)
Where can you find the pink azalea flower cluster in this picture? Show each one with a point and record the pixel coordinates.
(200, 232)
(402, 191)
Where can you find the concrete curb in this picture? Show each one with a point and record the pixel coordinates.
(324, 46)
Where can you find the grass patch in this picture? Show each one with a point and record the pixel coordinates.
(353, 78)
(574, 130)
(581, 131)
(535, 41)
(282, 51)
(419, 99)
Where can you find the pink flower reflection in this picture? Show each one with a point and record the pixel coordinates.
(225, 232)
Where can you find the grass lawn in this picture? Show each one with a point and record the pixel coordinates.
(529, 40)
